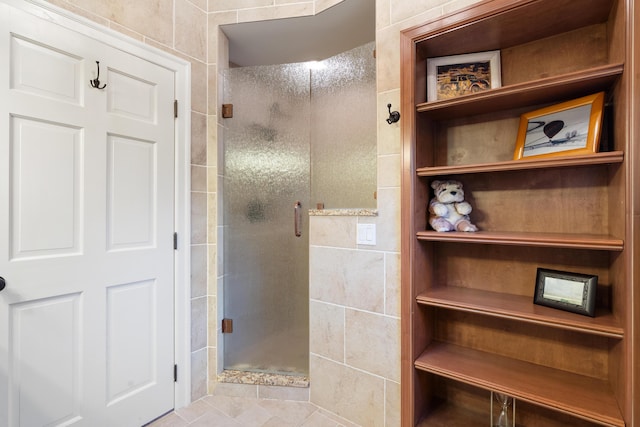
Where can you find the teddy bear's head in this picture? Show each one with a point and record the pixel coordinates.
(448, 191)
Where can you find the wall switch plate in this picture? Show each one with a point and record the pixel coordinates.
(366, 234)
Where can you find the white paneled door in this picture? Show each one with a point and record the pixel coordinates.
(86, 230)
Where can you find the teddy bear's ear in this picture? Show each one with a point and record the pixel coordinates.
(435, 184)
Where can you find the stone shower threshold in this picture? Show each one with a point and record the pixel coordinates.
(263, 378)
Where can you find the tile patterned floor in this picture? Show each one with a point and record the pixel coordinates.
(230, 411)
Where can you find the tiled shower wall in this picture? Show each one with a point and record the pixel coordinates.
(355, 290)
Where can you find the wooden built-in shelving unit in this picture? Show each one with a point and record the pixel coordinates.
(469, 324)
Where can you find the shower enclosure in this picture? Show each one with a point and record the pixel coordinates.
(277, 137)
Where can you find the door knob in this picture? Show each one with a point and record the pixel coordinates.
(2, 283)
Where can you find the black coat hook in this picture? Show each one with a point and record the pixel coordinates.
(393, 116)
(96, 82)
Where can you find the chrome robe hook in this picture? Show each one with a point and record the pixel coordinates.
(96, 82)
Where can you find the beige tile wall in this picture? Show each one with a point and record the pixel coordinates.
(354, 307)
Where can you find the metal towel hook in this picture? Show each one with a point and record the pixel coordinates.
(393, 116)
(96, 82)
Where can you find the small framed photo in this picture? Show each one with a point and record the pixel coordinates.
(573, 292)
(453, 76)
(569, 128)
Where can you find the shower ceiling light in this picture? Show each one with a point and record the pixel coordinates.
(316, 65)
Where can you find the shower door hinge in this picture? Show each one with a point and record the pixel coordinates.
(175, 241)
(227, 326)
(175, 373)
(227, 111)
(175, 108)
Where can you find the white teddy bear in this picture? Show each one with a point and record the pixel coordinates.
(447, 210)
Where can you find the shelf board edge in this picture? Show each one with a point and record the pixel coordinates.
(609, 157)
(525, 239)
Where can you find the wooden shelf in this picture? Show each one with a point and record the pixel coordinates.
(552, 240)
(611, 157)
(548, 90)
(580, 396)
(520, 308)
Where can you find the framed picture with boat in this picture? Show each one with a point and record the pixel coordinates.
(564, 129)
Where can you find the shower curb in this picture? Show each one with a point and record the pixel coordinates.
(263, 378)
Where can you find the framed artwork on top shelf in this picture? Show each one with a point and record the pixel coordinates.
(452, 76)
(573, 292)
(568, 128)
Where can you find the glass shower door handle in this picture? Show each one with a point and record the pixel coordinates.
(297, 218)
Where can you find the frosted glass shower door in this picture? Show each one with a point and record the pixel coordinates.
(266, 272)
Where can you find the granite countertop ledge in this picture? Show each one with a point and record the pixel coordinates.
(344, 212)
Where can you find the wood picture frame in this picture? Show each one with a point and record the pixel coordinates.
(567, 291)
(568, 128)
(452, 76)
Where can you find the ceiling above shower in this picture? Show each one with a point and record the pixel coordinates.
(342, 27)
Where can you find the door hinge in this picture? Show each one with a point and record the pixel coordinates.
(227, 111)
(227, 326)
(175, 241)
(175, 373)
(175, 108)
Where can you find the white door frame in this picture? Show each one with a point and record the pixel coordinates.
(182, 72)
